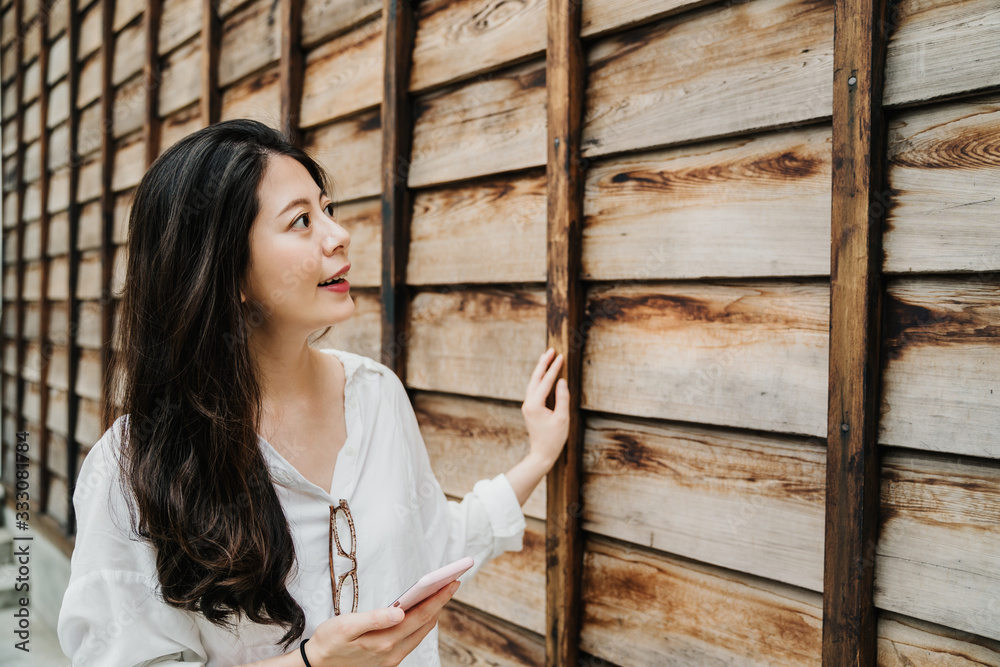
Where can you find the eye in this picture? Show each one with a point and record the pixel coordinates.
(330, 209)
(304, 216)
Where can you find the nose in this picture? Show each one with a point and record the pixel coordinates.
(335, 238)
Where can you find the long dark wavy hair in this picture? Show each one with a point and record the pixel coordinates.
(184, 375)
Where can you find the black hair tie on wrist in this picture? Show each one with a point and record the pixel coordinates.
(302, 650)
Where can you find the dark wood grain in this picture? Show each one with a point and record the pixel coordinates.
(19, 268)
(397, 135)
(45, 356)
(852, 491)
(151, 80)
(565, 76)
(292, 68)
(107, 194)
(211, 41)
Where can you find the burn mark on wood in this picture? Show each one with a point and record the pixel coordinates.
(370, 122)
(906, 323)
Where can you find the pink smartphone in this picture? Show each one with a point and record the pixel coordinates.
(432, 582)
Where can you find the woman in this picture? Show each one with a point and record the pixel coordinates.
(258, 499)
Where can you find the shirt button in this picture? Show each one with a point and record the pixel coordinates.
(349, 450)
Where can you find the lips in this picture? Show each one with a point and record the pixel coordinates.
(338, 274)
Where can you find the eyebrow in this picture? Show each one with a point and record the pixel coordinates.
(301, 201)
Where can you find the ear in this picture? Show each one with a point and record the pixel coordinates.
(243, 297)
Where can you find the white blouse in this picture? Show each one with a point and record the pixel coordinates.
(112, 613)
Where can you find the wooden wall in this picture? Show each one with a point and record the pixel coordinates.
(706, 357)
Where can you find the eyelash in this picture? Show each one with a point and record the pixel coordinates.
(306, 215)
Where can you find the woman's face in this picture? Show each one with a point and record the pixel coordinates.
(295, 245)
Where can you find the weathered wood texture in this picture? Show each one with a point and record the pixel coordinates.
(469, 638)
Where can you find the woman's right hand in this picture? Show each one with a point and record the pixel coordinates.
(376, 638)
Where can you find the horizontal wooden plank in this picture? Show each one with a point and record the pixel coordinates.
(89, 87)
(940, 48)
(58, 17)
(58, 61)
(908, 642)
(746, 354)
(512, 586)
(90, 132)
(178, 125)
(89, 325)
(351, 152)
(460, 39)
(130, 53)
(493, 124)
(323, 18)
(450, 227)
(344, 75)
(129, 107)
(469, 638)
(363, 331)
(33, 201)
(88, 424)
(126, 11)
(129, 162)
(938, 554)
(681, 79)
(754, 206)
(942, 337)
(944, 178)
(251, 40)
(123, 206)
(59, 279)
(471, 439)
(257, 97)
(481, 341)
(180, 20)
(644, 608)
(180, 78)
(91, 30)
(749, 503)
(601, 16)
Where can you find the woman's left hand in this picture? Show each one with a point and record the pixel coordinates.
(547, 429)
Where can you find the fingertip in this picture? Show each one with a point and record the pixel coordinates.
(396, 614)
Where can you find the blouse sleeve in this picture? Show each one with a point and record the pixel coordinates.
(486, 523)
(111, 612)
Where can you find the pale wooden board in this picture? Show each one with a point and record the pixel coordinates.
(749, 503)
(458, 39)
(351, 152)
(940, 388)
(477, 341)
(363, 221)
(89, 226)
(32, 123)
(59, 278)
(129, 107)
(747, 354)
(89, 284)
(58, 501)
(32, 163)
(126, 11)
(58, 17)
(940, 48)
(492, 124)
(324, 18)
(58, 63)
(512, 585)
(344, 75)
(257, 97)
(123, 205)
(32, 282)
(32, 241)
(602, 16)
(91, 35)
(130, 53)
(89, 134)
(89, 88)
(129, 162)
(89, 179)
(32, 407)
(179, 21)
(89, 373)
(908, 642)
(646, 608)
(118, 264)
(178, 125)
(945, 179)
(59, 147)
(452, 228)
(938, 554)
(471, 639)
(251, 40)
(471, 439)
(89, 325)
(33, 201)
(32, 40)
(59, 233)
(717, 71)
(180, 78)
(88, 424)
(363, 331)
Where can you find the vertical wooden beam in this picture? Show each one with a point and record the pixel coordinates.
(396, 205)
(151, 80)
(72, 400)
(852, 483)
(107, 193)
(565, 72)
(19, 178)
(45, 345)
(211, 36)
(292, 69)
